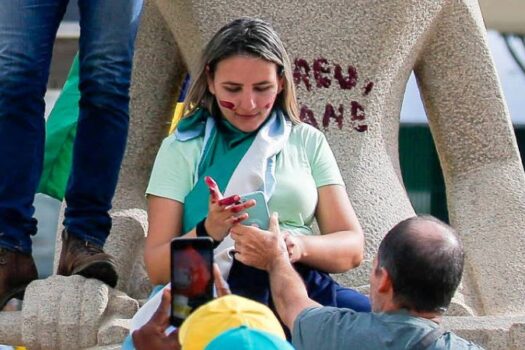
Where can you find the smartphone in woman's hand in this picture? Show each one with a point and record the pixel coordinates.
(259, 214)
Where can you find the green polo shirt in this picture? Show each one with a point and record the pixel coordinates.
(305, 164)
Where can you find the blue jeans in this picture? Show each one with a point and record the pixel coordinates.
(254, 284)
(27, 33)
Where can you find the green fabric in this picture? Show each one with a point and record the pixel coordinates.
(224, 150)
(61, 128)
(331, 328)
(305, 164)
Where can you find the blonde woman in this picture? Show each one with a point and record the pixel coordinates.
(242, 130)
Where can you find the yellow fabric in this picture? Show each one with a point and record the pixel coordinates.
(177, 114)
(222, 314)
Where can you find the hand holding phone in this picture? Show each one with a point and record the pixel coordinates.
(259, 214)
(223, 212)
(191, 276)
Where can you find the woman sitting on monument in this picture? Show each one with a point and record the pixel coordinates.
(241, 128)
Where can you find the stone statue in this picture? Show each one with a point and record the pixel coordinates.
(351, 61)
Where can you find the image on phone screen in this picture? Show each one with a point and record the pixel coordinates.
(191, 276)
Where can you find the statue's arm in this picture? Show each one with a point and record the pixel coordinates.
(471, 127)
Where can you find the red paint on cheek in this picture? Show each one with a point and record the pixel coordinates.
(270, 103)
(227, 104)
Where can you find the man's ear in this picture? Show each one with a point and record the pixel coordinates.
(385, 282)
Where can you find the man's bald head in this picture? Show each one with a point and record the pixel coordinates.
(424, 259)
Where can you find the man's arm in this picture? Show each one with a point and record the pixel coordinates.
(267, 250)
(288, 291)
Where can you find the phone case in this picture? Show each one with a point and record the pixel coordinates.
(258, 214)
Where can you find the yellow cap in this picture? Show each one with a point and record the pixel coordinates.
(221, 314)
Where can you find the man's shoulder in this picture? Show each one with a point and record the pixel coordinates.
(325, 311)
(335, 320)
(411, 330)
(344, 327)
(377, 330)
(404, 324)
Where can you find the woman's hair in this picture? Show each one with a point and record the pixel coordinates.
(248, 37)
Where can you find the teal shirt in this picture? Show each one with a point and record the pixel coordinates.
(305, 164)
(336, 328)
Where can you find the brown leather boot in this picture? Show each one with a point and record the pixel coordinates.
(83, 258)
(17, 270)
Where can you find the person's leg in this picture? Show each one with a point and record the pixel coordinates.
(108, 30)
(352, 299)
(27, 33)
(107, 35)
(320, 287)
(249, 282)
(327, 292)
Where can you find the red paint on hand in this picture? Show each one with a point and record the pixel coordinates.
(214, 189)
(229, 200)
(227, 104)
(237, 209)
(212, 185)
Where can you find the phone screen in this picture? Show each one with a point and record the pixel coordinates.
(191, 276)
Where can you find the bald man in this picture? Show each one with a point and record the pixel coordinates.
(415, 274)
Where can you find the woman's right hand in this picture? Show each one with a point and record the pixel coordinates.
(222, 211)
